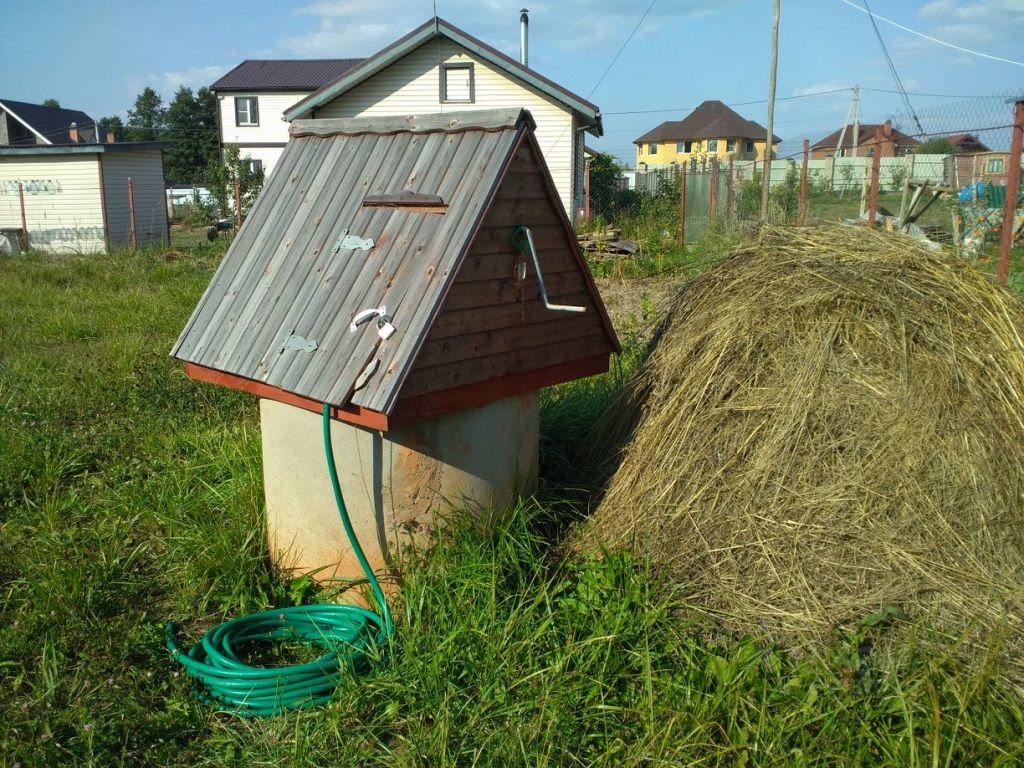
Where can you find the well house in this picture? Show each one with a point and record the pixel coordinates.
(381, 271)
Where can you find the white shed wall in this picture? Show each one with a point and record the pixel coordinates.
(62, 201)
(147, 174)
(411, 86)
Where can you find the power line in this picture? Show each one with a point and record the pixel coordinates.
(730, 104)
(619, 52)
(892, 69)
(935, 39)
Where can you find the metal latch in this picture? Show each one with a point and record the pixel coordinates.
(384, 328)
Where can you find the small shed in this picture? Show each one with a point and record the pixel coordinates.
(75, 198)
(406, 223)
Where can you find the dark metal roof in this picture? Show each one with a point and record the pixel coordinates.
(430, 30)
(711, 120)
(51, 123)
(867, 135)
(288, 275)
(283, 74)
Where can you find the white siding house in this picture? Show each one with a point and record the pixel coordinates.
(439, 68)
(76, 196)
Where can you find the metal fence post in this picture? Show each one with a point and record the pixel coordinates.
(713, 193)
(682, 204)
(131, 215)
(586, 191)
(729, 199)
(238, 204)
(24, 224)
(803, 184)
(1012, 188)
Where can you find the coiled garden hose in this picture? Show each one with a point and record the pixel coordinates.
(350, 635)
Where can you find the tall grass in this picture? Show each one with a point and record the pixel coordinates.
(131, 495)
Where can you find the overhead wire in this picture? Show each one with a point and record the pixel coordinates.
(892, 69)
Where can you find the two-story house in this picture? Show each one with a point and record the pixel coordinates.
(435, 68)
(711, 131)
(252, 97)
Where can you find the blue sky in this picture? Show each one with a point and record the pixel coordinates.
(97, 56)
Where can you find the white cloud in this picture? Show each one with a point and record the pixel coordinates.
(356, 28)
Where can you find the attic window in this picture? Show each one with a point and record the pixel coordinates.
(457, 84)
(415, 202)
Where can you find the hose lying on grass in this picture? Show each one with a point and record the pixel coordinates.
(349, 635)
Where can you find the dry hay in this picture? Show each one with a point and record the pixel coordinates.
(831, 424)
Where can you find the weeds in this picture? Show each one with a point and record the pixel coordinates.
(130, 495)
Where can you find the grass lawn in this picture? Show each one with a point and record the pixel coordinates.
(130, 496)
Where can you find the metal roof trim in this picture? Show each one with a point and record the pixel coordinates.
(82, 149)
(454, 122)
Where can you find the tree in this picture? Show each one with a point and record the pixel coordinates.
(110, 124)
(936, 147)
(149, 118)
(604, 170)
(220, 180)
(51, 103)
(192, 126)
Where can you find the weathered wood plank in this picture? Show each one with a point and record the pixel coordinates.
(487, 293)
(459, 321)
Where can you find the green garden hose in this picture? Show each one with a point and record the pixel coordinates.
(348, 634)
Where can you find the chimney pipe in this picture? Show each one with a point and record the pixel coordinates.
(524, 37)
(110, 137)
(73, 133)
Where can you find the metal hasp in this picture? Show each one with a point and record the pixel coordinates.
(347, 242)
(384, 328)
(523, 241)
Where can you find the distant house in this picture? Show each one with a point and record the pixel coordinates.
(438, 67)
(712, 130)
(967, 143)
(73, 196)
(22, 124)
(988, 166)
(871, 137)
(252, 97)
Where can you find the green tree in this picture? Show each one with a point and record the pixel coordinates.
(192, 125)
(936, 147)
(51, 103)
(149, 118)
(220, 180)
(112, 124)
(604, 170)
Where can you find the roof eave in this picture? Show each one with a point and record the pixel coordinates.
(15, 115)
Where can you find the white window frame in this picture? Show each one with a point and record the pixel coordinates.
(713, 146)
(996, 165)
(251, 106)
(443, 83)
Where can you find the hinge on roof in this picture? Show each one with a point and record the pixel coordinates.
(297, 344)
(347, 242)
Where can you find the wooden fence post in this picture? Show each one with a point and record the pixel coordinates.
(1012, 187)
(729, 200)
(803, 184)
(24, 224)
(238, 204)
(131, 215)
(876, 165)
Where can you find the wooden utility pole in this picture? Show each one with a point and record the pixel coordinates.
(1012, 187)
(766, 179)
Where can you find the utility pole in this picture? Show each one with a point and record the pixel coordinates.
(856, 118)
(766, 180)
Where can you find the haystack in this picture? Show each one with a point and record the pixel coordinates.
(831, 422)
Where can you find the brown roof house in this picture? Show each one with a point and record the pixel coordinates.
(889, 141)
(385, 275)
(712, 130)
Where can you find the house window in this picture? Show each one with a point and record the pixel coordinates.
(457, 85)
(712, 145)
(246, 111)
(684, 147)
(996, 165)
(256, 166)
(652, 148)
(730, 145)
(750, 146)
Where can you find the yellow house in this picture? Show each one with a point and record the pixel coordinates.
(712, 130)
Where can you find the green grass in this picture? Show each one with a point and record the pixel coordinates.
(130, 495)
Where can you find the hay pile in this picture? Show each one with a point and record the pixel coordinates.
(832, 422)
